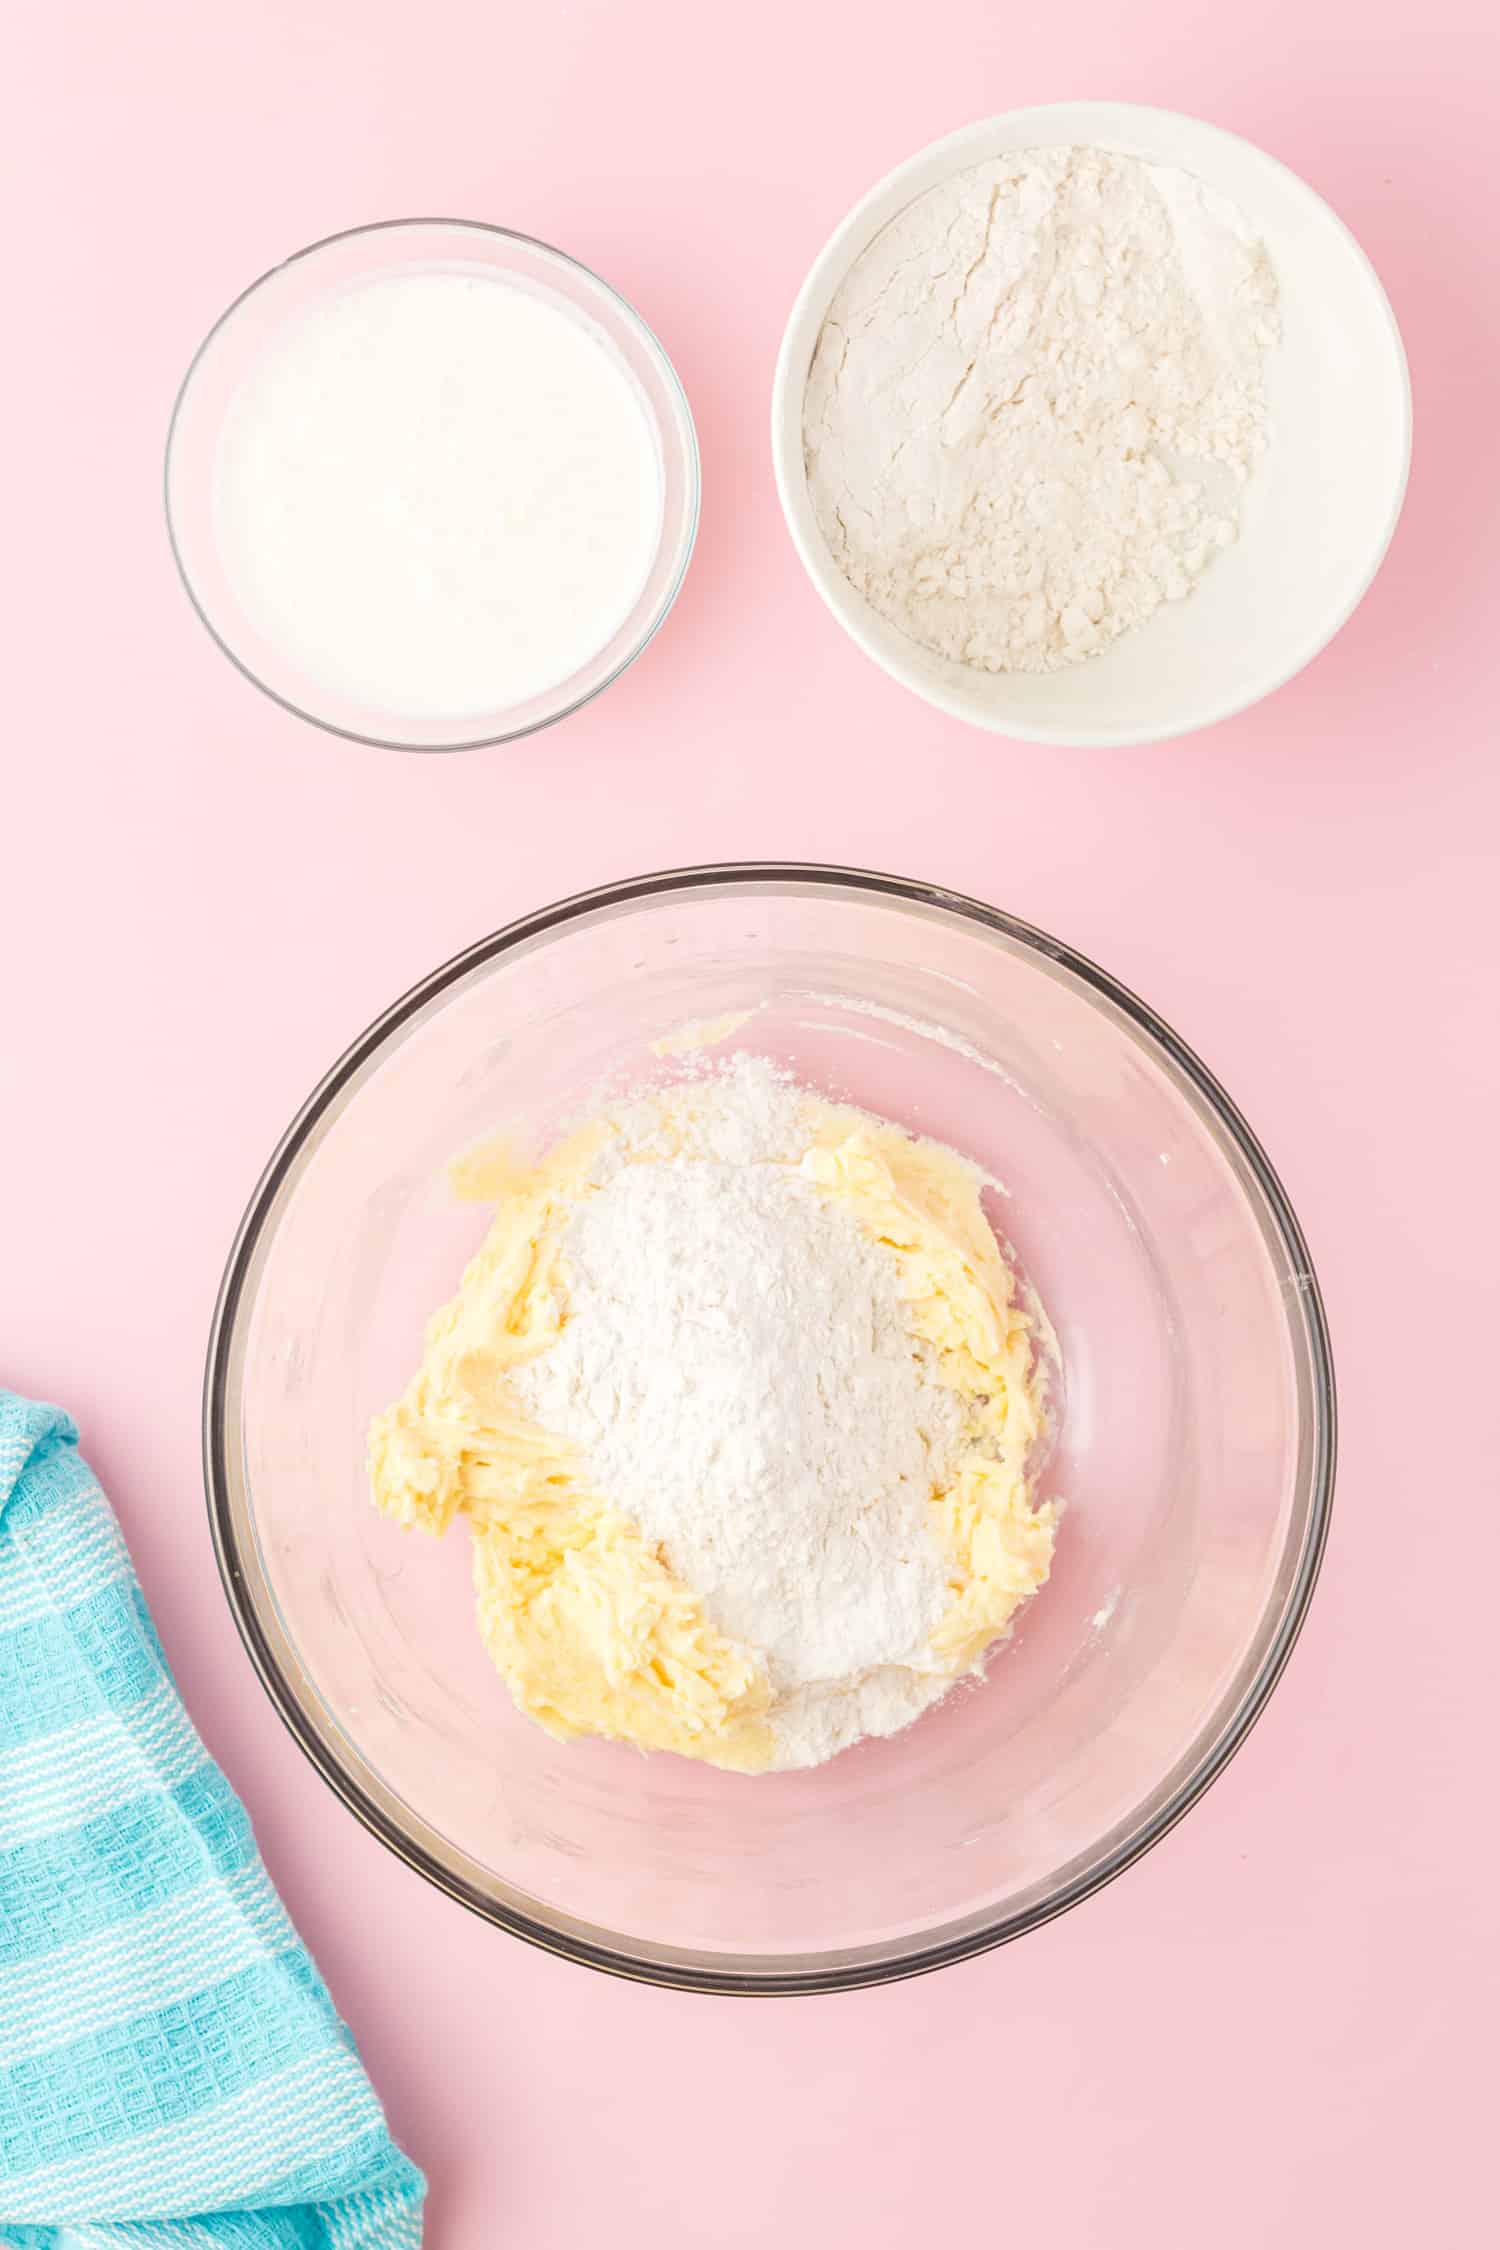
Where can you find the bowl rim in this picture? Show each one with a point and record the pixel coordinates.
(821, 1974)
(970, 144)
(692, 460)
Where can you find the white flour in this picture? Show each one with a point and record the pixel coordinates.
(1034, 400)
(739, 1371)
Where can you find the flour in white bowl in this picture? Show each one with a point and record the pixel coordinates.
(1034, 400)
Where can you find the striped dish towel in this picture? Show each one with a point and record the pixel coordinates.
(172, 2072)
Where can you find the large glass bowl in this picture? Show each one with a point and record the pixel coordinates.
(1195, 1454)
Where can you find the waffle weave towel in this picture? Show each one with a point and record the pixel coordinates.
(172, 2072)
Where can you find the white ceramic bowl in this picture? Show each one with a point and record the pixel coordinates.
(1318, 512)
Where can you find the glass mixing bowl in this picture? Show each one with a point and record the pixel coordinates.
(1195, 1451)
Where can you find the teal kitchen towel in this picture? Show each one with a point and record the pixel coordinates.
(173, 2075)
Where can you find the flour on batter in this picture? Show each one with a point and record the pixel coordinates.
(744, 1415)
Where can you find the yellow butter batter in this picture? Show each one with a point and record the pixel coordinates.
(586, 1622)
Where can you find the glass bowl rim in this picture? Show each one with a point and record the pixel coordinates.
(692, 461)
(820, 1974)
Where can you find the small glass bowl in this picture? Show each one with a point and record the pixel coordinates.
(1195, 1448)
(307, 280)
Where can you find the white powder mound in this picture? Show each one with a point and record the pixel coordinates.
(789, 1487)
(738, 1111)
(1034, 401)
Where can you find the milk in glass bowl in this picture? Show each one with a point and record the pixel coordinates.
(432, 484)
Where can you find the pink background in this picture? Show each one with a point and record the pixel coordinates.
(1279, 2022)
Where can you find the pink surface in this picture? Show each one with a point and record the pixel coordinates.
(1281, 2018)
